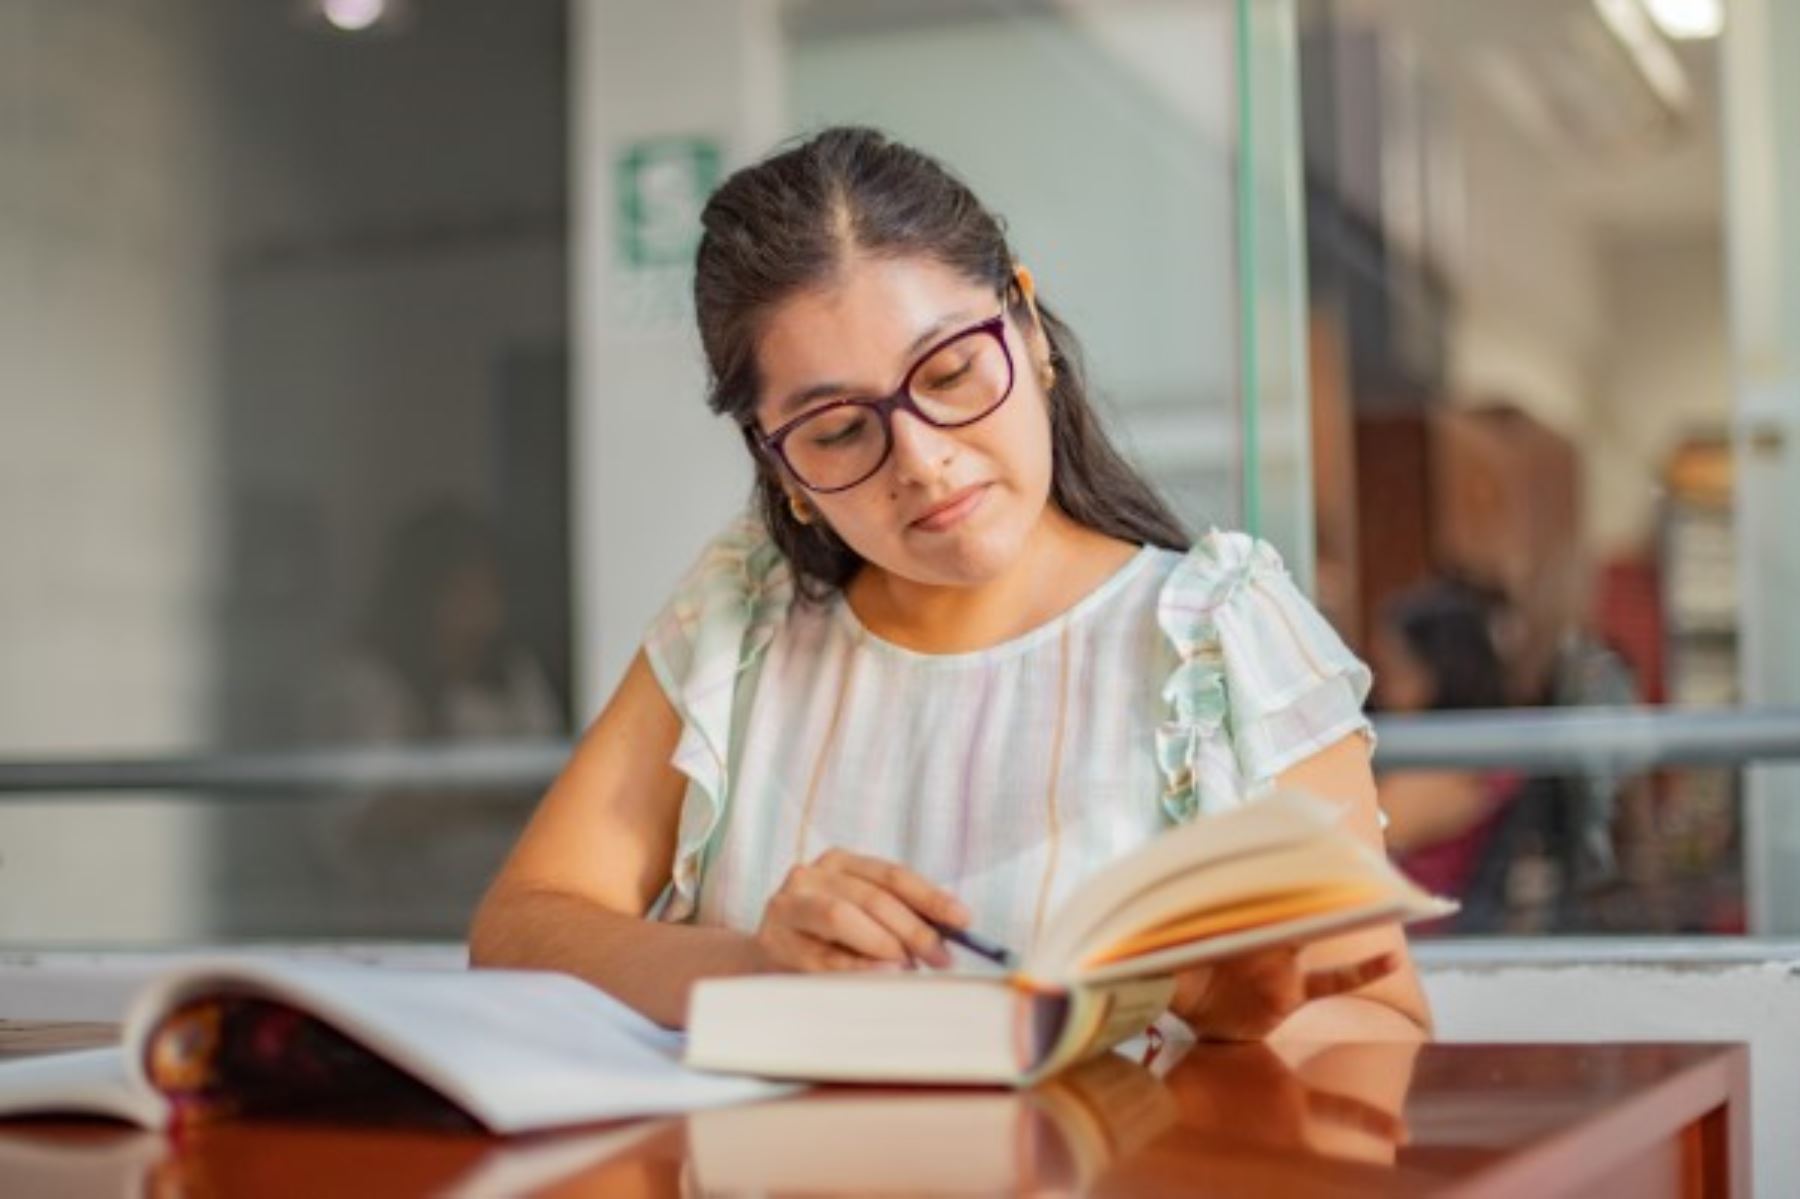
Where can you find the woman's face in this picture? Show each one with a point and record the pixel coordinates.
(1403, 682)
(949, 507)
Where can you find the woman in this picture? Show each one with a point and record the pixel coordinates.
(958, 657)
(438, 660)
(1436, 652)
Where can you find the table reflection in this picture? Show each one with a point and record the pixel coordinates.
(1337, 1101)
(1060, 1136)
(1251, 1119)
(95, 1160)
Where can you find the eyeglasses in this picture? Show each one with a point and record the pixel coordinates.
(955, 383)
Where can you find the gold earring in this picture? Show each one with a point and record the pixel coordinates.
(801, 510)
(1047, 377)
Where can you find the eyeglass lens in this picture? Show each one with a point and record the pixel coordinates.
(961, 382)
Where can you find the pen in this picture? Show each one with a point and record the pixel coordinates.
(998, 954)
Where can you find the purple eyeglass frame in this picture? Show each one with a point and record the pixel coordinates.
(900, 399)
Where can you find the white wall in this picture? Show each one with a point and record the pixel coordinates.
(1617, 340)
(654, 473)
(1667, 374)
(1531, 313)
(107, 448)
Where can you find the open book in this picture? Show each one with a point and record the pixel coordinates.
(502, 1050)
(1281, 870)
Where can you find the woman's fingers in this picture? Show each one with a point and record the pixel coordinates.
(919, 938)
(848, 912)
(800, 952)
(1249, 996)
(1337, 980)
(922, 896)
(827, 957)
(829, 916)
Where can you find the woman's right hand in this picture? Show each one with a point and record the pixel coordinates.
(844, 911)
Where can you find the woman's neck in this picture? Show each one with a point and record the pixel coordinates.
(1060, 564)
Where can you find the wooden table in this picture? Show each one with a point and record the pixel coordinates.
(1531, 1120)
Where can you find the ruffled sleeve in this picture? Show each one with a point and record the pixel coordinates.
(1262, 681)
(721, 618)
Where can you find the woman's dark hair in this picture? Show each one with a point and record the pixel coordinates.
(789, 223)
(1448, 625)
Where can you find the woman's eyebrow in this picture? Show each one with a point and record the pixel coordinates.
(821, 391)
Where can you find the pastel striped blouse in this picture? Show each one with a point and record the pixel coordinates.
(1183, 683)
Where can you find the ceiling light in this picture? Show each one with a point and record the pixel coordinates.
(353, 16)
(1688, 20)
(1654, 59)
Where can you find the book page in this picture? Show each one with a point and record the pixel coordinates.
(1206, 843)
(88, 1082)
(862, 1026)
(1297, 931)
(516, 1049)
(1256, 911)
(1266, 874)
(1100, 1017)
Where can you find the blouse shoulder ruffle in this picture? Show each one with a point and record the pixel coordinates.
(1262, 680)
(720, 620)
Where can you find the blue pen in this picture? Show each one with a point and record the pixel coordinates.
(998, 954)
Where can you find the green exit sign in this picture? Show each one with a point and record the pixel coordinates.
(663, 184)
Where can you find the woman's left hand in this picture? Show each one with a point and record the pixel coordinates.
(1245, 998)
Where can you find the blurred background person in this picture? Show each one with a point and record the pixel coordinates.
(1435, 649)
(436, 660)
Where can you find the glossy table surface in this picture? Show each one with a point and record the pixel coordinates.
(1366, 1119)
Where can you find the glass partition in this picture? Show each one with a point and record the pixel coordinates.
(289, 403)
(340, 351)
(1556, 351)
(283, 403)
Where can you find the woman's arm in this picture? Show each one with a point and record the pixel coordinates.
(1427, 807)
(1356, 987)
(1394, 1005)
(597, 852)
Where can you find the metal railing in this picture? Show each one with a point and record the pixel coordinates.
(1537, 739)
(1587, 739)
(493, 766)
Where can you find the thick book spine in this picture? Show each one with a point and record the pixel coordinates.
(1100, 1015)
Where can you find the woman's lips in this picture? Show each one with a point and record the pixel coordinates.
(955, 511)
